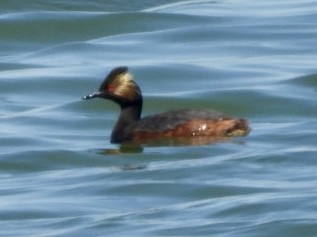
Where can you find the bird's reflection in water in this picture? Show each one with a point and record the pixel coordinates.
(123, 149)
(137, 147)
(131, 149)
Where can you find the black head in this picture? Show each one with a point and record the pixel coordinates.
(119, 87)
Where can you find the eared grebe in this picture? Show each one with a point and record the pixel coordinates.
(119, 87)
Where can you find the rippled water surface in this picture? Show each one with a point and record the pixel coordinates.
(61, 176)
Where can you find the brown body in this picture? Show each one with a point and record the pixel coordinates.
(198, 128)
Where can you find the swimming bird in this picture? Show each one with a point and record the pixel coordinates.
(206, 124)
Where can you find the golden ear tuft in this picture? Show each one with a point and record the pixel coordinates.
(119, 83)
(126, 87)
(112, 76)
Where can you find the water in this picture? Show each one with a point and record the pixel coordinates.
(60, 176)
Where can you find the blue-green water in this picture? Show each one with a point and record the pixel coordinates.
(60, 176)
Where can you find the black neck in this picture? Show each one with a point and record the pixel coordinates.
(129, 115)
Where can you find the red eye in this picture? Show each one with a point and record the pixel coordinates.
(111, 88)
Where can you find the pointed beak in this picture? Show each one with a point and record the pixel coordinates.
(91, 96)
